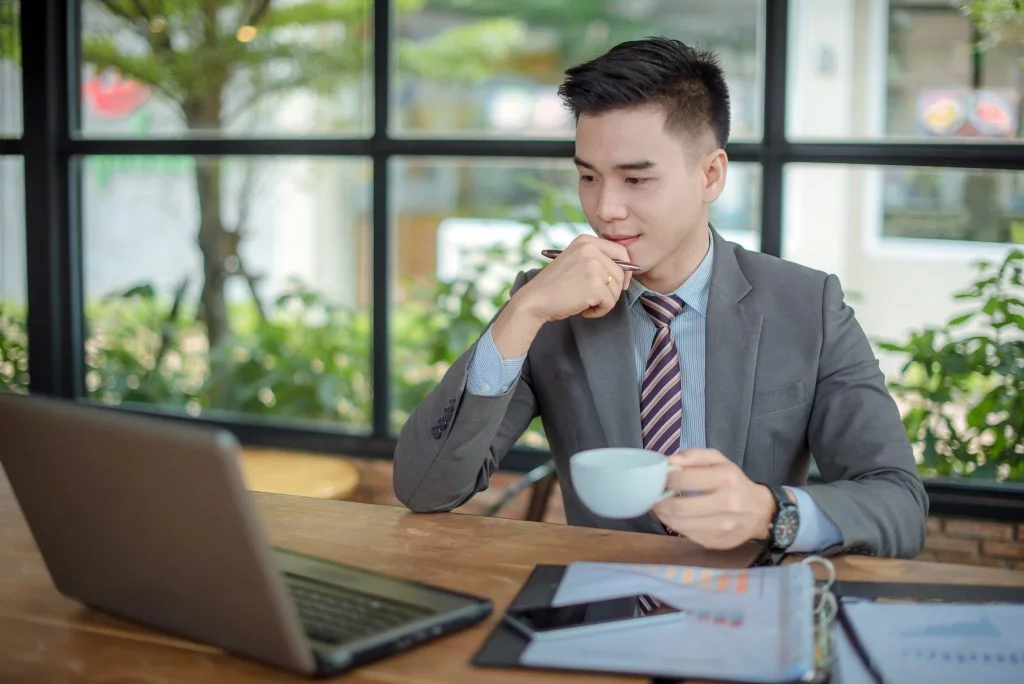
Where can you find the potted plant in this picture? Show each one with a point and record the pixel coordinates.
(962, 384)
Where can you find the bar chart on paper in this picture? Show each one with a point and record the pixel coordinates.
(726, 581)
(745, 624)
(942, 643)
(740, 583)
(726, 592)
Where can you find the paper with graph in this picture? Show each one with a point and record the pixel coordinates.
(753, 625)
(942, 642)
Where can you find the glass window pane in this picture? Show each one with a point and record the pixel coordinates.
(460, 225)
(226, 67)
(904, 242)
(13, 279)
(884, 69)
(229, 284)
(483, 68)
(10, 69)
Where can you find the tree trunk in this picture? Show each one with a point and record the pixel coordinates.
(203, 113)
(214, 243)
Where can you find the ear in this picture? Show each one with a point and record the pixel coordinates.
(714, 167)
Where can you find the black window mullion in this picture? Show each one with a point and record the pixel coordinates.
(53, 256)
(774, 134)
(381, 340)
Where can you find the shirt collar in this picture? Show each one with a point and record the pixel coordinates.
(693, 291)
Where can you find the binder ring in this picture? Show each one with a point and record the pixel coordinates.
(829, 569)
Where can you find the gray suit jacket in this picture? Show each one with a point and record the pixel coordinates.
(789, 372)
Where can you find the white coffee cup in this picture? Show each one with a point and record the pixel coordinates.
(620, 482)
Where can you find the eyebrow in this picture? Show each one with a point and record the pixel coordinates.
(626, 166)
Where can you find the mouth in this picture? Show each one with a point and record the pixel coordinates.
(624, 240)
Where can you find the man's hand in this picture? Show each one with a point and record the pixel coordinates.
(722, 507)
(584, 279)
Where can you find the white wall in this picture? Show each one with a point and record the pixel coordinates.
(833, 214)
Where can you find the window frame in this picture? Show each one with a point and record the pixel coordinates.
(50, 40)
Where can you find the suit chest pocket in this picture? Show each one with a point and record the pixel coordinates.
(779, 398)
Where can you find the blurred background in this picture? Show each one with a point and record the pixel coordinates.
(288, 217)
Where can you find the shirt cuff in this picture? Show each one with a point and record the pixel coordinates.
(489, 374)
(816, 532)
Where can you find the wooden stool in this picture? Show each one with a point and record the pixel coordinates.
(298, 473)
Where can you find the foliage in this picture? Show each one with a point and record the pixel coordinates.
(964, 381)
(306, 358)
(13, 349)
(218, 62)
(10, 30)
(998, 21)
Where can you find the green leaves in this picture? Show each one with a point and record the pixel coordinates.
(313, 13)
(104, 54)
(310, 359)
(465, 53)
(10, 30)
(998, 21)
(963, 382)
(13, 348)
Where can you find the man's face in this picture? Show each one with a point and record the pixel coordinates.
(646, 188)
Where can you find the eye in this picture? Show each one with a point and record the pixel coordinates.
(633, 180)
(586, 178)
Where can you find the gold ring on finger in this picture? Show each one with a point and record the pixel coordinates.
(609, 281)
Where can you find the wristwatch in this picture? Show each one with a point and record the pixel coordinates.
(785, 523)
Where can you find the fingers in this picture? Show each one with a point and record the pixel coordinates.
(608, 280)
(699, 479)
(615, 279)
(711, 505)
(583, 279)
(715, 530)
(610, 249)
(699, 457)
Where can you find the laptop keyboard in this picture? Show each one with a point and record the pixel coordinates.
(335, 615)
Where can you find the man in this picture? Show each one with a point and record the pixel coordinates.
(736, 365)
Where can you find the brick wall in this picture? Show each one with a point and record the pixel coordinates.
(975, 542)
(950, 540)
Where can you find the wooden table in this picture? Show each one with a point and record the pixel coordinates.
(299, 474)
(47, 639)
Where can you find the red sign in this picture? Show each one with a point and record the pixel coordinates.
(111, 96)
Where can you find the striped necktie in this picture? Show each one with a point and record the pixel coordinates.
(661, 392)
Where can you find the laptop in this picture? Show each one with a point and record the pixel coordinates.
(149, 520)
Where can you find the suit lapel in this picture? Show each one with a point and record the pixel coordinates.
(732, 333)
(606, 350)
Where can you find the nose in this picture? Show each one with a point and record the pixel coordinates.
(610, 206)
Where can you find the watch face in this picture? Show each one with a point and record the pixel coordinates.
(786, 525)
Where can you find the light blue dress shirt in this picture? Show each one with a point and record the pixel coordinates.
(491, 375)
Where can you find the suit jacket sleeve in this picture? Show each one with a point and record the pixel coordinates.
(454, 440)
(872, 491)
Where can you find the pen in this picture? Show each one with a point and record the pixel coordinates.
(858, 646)
(626, 266)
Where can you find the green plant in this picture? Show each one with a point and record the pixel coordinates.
(305, 357)
(215, 63)
(963, 382)
(10, 35)
(13, 348)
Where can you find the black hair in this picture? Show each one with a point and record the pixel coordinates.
(687, 82)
